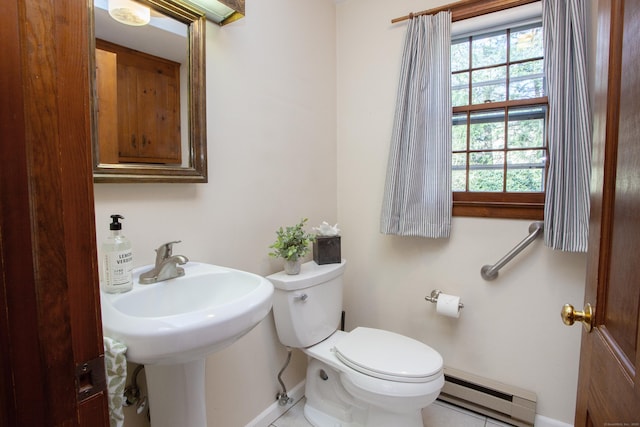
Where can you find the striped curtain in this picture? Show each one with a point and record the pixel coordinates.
(566, 213)
(417, 195)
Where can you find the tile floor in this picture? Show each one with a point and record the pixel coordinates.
(439, 414)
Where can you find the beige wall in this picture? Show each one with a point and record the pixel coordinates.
(510, 329)
(300, 105)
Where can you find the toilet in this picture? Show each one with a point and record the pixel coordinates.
(363, 378)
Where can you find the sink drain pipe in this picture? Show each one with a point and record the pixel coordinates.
(282, 397)
(132, 392)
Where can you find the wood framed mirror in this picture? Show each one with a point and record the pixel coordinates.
(148, 95)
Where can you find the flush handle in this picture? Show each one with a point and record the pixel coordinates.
(300, 297)
(570, 315)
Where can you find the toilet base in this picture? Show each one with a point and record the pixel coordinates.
(320, 419)
(329, 404)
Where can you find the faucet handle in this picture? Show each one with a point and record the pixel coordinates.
(164, 251)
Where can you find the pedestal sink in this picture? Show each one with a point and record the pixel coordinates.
(172, 326)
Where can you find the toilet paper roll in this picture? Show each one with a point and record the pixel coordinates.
(448, 305)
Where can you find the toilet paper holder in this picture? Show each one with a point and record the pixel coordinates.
(434, 297)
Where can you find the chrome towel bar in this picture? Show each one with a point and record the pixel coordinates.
(490, 272)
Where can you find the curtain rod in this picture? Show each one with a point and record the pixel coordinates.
(424, 12)
(465, 9)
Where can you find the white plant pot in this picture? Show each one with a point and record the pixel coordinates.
(292, 267)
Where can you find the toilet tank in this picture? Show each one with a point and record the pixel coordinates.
(307, 307)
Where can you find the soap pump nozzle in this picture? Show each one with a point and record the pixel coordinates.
(115, 224)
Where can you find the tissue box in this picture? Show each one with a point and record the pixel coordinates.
(326, 250)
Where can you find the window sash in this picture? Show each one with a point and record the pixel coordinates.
(507, 114)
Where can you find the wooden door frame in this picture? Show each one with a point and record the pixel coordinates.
(50, 324)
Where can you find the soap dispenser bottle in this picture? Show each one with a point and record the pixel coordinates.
(117, 260)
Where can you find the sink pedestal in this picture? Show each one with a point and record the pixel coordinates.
(177, 394)
(171, 326)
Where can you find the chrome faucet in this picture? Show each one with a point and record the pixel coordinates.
(166, 265)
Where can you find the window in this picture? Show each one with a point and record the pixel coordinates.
(499, 123)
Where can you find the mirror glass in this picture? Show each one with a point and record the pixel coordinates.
(148, 122)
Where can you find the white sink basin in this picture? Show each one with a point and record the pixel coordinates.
(184, 319)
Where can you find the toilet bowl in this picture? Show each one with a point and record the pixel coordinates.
(374, 401)
(363, 378)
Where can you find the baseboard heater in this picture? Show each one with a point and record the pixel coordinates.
(502, 402)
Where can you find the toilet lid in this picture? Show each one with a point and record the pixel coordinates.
(387, 355)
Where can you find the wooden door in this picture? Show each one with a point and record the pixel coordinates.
(50, 327)
(609, 382)
(158, 110)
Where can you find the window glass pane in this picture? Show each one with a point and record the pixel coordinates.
(526, 127)
(459, 172)
(460, 55)
(489, 85)
(459, 132)
(526, 43)
(460, 89)
(526, 80)
(525, 170)
(486, 171)
(486, 130)
(489, 50)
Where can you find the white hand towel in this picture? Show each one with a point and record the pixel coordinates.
(116, 369)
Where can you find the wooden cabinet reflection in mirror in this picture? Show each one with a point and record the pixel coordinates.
(138, 114)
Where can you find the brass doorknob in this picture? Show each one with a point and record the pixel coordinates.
(570, 316)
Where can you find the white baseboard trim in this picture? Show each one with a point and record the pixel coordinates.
(274, 411)
(549, 422)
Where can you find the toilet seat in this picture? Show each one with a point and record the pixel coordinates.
(389, 356)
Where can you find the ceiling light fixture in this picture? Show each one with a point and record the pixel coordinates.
(129, 12)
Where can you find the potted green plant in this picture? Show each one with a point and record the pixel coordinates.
(292, 244)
